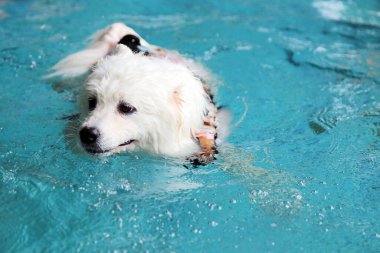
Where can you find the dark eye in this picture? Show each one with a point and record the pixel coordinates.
(132, 42)
(125, 108)
(92, 103)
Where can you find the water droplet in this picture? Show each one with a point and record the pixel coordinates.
(214, 223)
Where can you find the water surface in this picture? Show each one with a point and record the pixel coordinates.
(301, 173)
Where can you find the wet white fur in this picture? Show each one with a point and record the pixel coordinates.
(169, 97)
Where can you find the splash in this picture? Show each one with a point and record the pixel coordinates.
(330, 9)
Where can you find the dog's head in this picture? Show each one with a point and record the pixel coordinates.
(131, 100)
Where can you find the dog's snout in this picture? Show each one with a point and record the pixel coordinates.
(89, 135)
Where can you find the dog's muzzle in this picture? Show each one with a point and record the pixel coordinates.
(89, 138)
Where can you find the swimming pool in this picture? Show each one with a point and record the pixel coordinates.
(301, 173)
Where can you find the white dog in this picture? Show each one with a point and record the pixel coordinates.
(141, 96)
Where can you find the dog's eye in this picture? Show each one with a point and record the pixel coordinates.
(125, 108)
(92, 103)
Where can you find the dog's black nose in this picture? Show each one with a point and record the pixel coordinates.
(89, 135)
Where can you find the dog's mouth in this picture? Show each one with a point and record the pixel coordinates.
(121, 147)
(126, 143)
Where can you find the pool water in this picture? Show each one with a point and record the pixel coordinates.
(301, 173)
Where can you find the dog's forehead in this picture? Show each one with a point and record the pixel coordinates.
(113, 87)
(112, 70)
(127, 74)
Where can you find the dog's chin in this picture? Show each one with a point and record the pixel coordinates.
(129, 145)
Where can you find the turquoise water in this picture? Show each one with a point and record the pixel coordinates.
(300, 174)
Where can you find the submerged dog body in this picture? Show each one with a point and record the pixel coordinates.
(141, 96)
